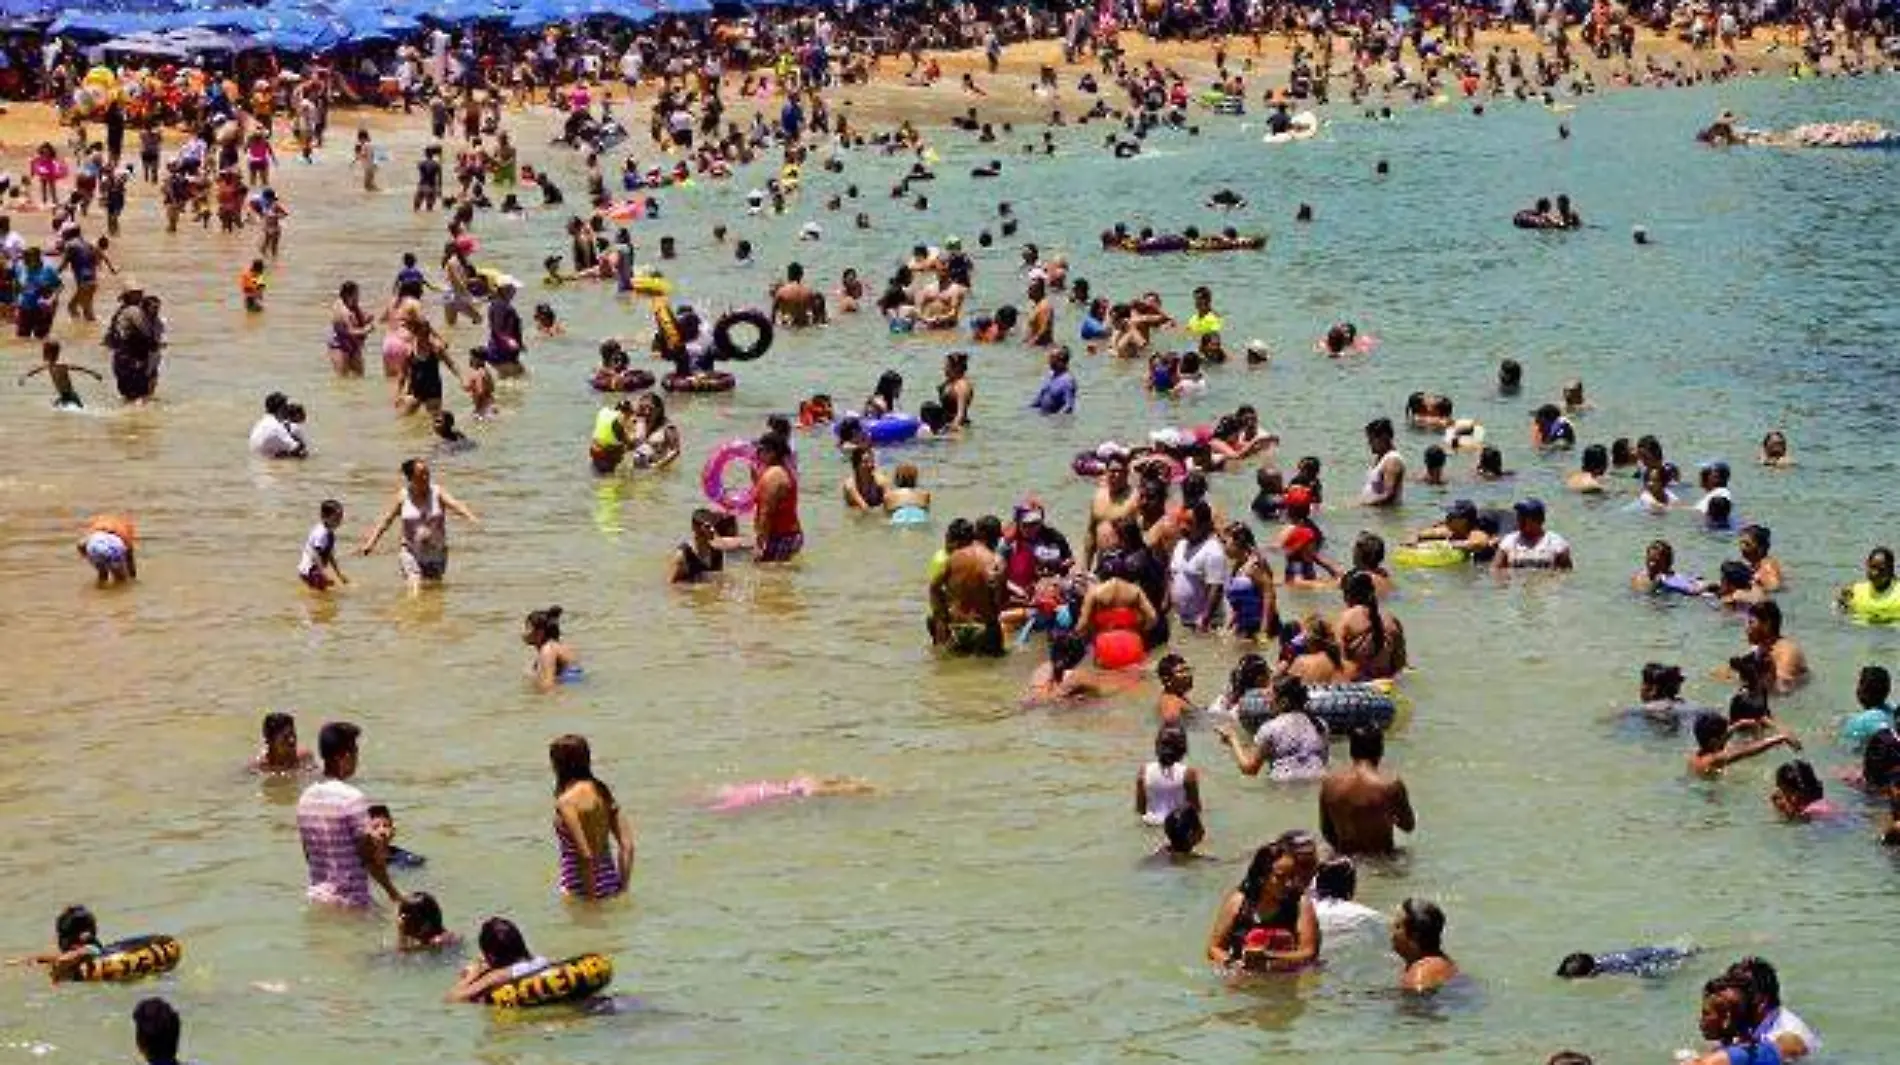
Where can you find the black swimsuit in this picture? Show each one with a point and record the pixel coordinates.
(1284, 918)
(697, 567)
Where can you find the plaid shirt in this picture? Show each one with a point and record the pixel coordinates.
(331, 817)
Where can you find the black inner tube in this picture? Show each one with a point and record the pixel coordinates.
(725, 348)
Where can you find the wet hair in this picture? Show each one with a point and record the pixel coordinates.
(1337, 878)
(1711, 731)
(1183, 829)
(501, 943)
(905, 476)
(1260, 869)
(75, 925)
(336, 739)
(1797, 778)
(573, 763)
(1665, 680)
(1874, 685)
(890, 385)
(959, 533)
(1575, 966)
(1595, 460)
(1759, 980)
(1434, 457)
(1742, 1024)
(156, 1029)
(1768, 614)
(1366, 743)
(546, 622)
(1248, 674)
(1570, 1057)
(1170, 666)
(1379, 428)
(1491, 461)
(1368, 552)
(1171, 745)
(276, 723)
(420, 916)
(1720, 508)
(1359, 590)
(1760, 534)
(1621, 454)
(1066, 651)
(1424, 924)
(1510, 374)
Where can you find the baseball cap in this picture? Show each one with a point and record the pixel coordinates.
(1029, 514)
(1463, 508)
(1530, 508)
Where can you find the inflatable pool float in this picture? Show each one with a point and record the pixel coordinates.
(572, 980)
(1305, 126)
(1344, 707)
(699, 383)
(725, 347)
(632, 379)
(1429, 556)
(131, 959)
(1119, 649)
(894, 428)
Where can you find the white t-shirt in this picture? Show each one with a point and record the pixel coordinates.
(13, 247)
(1200, 573)
(1389, 467)
(273, 439)
(1541, 555)
(1339, 916)
(317, 550)
(1703, 503)
(1784, 1022)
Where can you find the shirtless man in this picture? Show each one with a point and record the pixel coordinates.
(1158, 526)
(966, 595)
(796, 304)
(1766, 644)
(1114, 500)
(1359, 806)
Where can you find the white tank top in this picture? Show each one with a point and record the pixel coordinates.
(1167, 790)
(424, 532)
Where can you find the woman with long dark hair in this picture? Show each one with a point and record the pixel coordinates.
(1268, 923)
(586, 821)
(1372, 642)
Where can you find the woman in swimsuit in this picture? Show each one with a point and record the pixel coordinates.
(424, 508)
(904, 501)
(554, 662)
(705, 554)
(1373, 642)
(1315, 654)
(586, 821)
(349, 330)
(956, 393)
(1418, 933)
(399, 340)
(656, 441)
(1268, 923)
(864, 489)
(1252, 607)
(420, 386)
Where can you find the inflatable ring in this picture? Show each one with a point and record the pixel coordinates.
(1088, 464)
(1119, 649)
(1429, 556)
(667, 326)
(564, 981)
(723, 346)
(652, 285)
(699, 382)
(890, 429)
(132, 959)
(712, 478)
(1344, 707)
(632, 379)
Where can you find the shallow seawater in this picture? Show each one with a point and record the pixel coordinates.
(989, 902)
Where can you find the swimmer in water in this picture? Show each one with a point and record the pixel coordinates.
(1798, 795)
(1418, 938)
(504, 957)
(1227, 200)
(1713, 754)
(1646, 962)
(904, 501)
(1774, 450)
(280, 753)
(554, 662)
(60, 374)
(110, 544)
(75, 940)
(1334, 886)
(1591, 471)
(1177, 680)
(1269, 923)
(419, 925)
(1168, 783)
(1066, 678)
(1182, 831)
(763, 792)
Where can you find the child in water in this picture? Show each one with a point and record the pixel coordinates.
(75, 939)
(251, 285)
(1636, 961)
(1333, 889)
(1177, 680)
(382, 825)
(1798, 795)
(318, 567)
(480, 384)
(60, 374)
(419, 925)
(280, 753)
(1182, 831)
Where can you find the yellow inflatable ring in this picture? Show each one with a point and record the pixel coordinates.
(652, 285)
(577, 978)
(1428, 556)
(132, 959)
